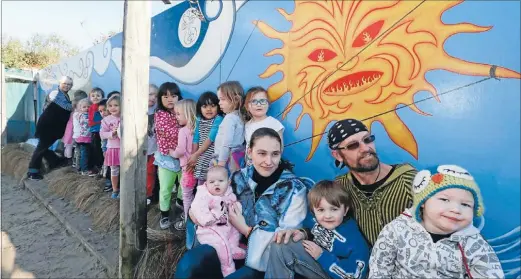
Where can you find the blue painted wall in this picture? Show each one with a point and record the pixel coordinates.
(477, 127)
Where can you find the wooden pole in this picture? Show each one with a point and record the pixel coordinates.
(134, 84)
(3, 112)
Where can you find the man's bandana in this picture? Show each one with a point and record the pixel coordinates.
(341, 131)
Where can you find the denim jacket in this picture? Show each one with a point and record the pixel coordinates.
(282, 206)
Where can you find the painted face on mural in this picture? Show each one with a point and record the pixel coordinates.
(217, 182)
(265, 155)
(258, 105)
(345, 58)
(169, 100)
(328, 215)
(358, 152)
(448, 211)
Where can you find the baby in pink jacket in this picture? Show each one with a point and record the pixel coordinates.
(210, 208)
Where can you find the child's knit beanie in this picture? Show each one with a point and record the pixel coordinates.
(428, 182)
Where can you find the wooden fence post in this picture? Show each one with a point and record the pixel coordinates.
(3, 112)
(134, 84)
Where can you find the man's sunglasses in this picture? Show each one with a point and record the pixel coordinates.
(356, 144)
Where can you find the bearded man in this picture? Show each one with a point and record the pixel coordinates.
(380, 192)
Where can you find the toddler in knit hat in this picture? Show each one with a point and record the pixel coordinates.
(435, 238)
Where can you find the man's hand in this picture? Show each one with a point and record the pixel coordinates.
(285, 235)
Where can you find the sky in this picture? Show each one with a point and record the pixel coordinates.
(20, 19)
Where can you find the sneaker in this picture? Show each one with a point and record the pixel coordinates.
(180, 225)
(34, 176)
(107, 188)
(149, 201)
(179, 204)
(164, 223)
(115, 195)
(92, 173)
(84, 173)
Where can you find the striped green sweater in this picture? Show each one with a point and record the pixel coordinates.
(386, 203)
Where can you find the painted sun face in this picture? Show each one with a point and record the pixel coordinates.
(357, 59)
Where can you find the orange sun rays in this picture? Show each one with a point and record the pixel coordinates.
(326, 71)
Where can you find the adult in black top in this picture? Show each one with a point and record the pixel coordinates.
(51, 125)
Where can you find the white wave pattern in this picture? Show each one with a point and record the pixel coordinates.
(78, 67)
(507, 247)
(210, 52)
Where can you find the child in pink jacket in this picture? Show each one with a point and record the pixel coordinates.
(210, 208)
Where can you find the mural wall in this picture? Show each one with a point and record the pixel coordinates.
(438, 82)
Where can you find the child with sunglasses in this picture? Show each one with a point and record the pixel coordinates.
(256, 107)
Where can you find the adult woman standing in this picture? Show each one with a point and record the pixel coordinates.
(271, 199)
(51, 125)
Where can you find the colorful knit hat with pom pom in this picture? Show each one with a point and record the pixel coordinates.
(428, 182)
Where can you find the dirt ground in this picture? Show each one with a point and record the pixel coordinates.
(35, 244)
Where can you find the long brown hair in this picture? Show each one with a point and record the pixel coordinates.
(233, 91)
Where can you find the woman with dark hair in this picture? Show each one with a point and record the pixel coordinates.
(270, 198)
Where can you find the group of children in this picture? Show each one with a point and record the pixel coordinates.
(192, 137)
(198, 144)
(92, 139)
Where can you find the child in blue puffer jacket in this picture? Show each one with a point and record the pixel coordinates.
(329, 246)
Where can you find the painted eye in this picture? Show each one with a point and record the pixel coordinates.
(368, 34)
(421, 180)
(456, 171)
(321, 55)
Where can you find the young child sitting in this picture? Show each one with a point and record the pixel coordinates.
(330, 245)
(435, 238)
(210, 208)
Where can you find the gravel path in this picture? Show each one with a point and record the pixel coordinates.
(34, 242)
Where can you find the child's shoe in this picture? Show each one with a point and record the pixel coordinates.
(164, 223)
(179, 204)
(92, 173)
(180, 225)
(149, 201)
(115, 195)
(107, 188)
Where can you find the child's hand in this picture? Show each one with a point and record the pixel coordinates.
(312, 248)
(193, 160)
(115, 133)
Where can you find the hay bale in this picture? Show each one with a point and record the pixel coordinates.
(15, 160)
(163, 252)
(66, 184)
(153, 216)
(105, 214)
